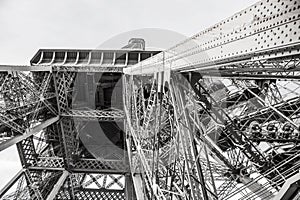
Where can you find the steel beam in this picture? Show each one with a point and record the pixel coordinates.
(102, 115)
(58, 185)
(138, 185)
(28, 133)
(84, 194)
(82, 165)
(289, 189)
(88, 68)
(67, 68)
(248, 76)
(265, 30)
(13, 68)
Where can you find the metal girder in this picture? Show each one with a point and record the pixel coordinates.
(93, 57)
(273, 69)
(48, 163)
(289, 189)
(101, 166)
(101, 115)
(183, 142)
(82, 165)
(11, 68)
(68, 68)
(86, 194)
(267, 29)
(129, 187)
(15, 139)
(58, 185)
(104, 68)
(90, 185)
(63, 83)
(251, 76)
(69, 141)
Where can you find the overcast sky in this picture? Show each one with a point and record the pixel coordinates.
(27, 25)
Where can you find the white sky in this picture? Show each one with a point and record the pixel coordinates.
(27, 25)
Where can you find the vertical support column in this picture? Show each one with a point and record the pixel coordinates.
(129, 188)
(68, 140)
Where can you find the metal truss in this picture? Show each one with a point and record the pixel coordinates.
(278, 69)
(214, 117)
(93, 186)
(225, 103)
(31, 185)
(163, 151)
(102, 115)
(37, 116)
(266, 30)
(82, 165)
(24, 102)
(226, 134)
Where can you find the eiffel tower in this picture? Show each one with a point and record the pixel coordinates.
(213, 117)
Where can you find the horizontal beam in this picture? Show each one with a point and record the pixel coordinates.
(100, 166)
(248, 76)
(85, 57)
(86, 68)
(81, 170)
(4, 68)
(82, 165)
(100, 193)
(68, 68)
(102, 115)
(28, 133)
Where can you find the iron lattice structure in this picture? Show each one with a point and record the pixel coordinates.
(214, 117)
